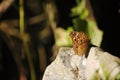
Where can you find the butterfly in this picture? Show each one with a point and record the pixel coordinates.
(80, 42)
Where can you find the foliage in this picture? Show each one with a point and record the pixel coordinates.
(96, 76)
(25, 45)
(118, 77)
(62, 37)
(81, 22)
(104, 74)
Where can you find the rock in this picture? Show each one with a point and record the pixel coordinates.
(99, 65)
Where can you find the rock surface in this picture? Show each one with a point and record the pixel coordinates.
(99, 65)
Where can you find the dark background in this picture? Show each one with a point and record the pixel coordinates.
(107, 15)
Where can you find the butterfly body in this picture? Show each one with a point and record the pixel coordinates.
(80, 42)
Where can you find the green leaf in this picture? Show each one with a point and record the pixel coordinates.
(82, 23)
(62, 37)
(77, 10)
(90, 28)
(94, 33)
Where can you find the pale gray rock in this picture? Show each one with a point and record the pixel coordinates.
(99, 65)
